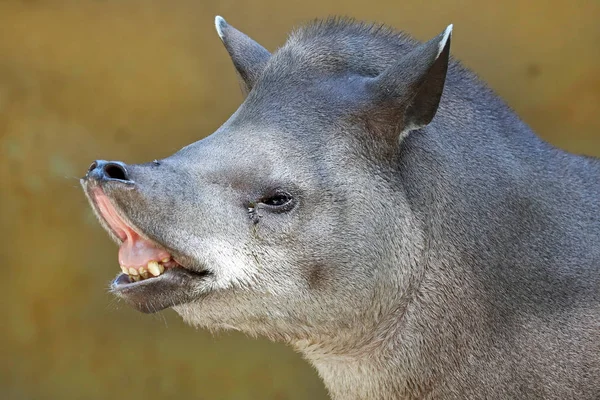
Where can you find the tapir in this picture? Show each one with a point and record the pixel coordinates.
(375, 206)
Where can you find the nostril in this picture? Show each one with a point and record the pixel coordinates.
(115, 171)
(93, 166)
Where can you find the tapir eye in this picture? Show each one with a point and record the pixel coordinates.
(278, 201)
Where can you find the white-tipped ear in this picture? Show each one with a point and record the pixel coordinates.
(445, 38)
(220, 23)
(249, 57)
(412, 88)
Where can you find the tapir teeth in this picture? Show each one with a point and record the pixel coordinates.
(144, 273)
(155, 268)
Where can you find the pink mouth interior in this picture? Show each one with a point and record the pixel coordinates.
(135, 251)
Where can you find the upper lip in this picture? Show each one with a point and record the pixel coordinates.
(89, 188)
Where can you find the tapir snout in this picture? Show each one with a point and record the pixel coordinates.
(102, 170)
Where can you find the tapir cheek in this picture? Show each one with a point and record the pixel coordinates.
(317, 276)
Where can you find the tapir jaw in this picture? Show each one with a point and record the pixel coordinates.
(174, 287)
(154, 275)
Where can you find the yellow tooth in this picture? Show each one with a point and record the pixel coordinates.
(161, 268)
(133, 271)
(134, 278)
(124, 269)
(154, 268)
(144, 273)
(166, 260)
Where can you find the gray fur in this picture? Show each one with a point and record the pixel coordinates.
(456, 260)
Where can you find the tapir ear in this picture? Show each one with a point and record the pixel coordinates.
(249, 57)
(413, 86)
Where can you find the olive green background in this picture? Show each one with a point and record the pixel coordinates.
(138, 79)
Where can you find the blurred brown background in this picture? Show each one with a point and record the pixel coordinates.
(139, 79)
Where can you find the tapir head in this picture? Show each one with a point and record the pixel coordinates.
(291, 220)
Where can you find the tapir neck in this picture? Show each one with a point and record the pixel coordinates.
(357, 376)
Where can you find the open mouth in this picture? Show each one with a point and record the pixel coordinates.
(139, 258)
(151, 279)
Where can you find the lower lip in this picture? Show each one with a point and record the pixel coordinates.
(122, 281)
